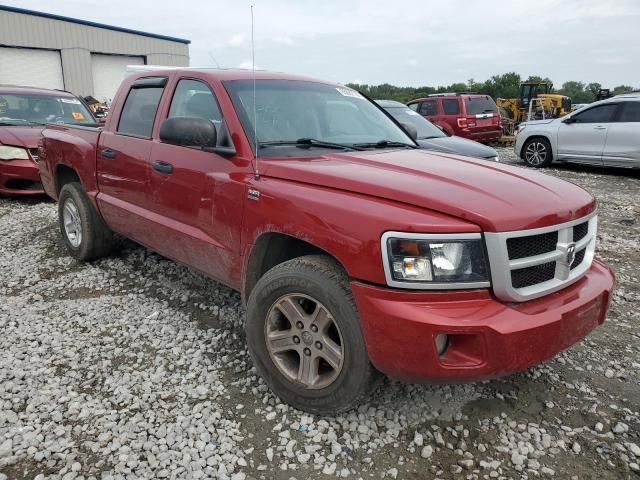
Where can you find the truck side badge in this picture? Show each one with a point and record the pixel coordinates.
(253, 194)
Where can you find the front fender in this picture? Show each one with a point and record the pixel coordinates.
(344, 224)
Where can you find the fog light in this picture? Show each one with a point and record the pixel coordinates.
(442, 342)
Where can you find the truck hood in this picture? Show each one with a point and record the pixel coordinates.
(457, 145)
(495, 196)
(25, 136)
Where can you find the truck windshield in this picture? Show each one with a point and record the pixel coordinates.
(288, 110)
(31, 109)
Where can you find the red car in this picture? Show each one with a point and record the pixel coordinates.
(355, 251)
(23, 113)
(468, 115)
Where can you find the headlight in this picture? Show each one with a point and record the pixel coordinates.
(435, 261)
(13, 153)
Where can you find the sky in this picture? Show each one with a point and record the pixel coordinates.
(405, 43)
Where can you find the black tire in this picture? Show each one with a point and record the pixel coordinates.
(322, 279)
(96, 239)
(536, 152)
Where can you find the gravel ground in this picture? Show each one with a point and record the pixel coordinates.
(134, 367)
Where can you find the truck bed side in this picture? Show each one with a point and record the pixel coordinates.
(67, 150)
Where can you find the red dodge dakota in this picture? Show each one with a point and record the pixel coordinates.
(356, 253)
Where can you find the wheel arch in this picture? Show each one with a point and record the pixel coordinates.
(273, 248)
(65, 174)
(534, 136)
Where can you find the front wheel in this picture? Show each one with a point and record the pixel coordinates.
(536, 153)
(304, 336)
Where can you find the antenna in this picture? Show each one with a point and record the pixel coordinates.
(214, 59)
(255, 114)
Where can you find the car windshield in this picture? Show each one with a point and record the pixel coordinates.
(425, 128)
(30, 109)
(290, 113)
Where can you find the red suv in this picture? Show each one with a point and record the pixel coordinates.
(468, 115)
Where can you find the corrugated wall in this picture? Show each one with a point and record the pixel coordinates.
(76, 42)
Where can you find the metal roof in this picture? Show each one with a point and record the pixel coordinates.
(91, 24)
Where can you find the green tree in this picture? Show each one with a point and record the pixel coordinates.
(620, 89)
(577, 91)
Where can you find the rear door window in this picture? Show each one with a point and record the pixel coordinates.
(599, 114)
(139, 111)
(480, 105)
(429, 107)
(630, 112)
(450, 106)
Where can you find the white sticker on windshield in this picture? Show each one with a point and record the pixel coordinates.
(75, 101)
(347, 92)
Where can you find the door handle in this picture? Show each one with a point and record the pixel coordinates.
(108, 154)
(599, 127)
(162, 167)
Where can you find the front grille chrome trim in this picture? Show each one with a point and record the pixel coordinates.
(564, 275)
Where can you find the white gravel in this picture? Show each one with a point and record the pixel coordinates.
(134, 367)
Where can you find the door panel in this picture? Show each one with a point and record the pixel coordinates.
(623, 140)
(582, 136)
(123, 166)
(197, 206)
(582, 142)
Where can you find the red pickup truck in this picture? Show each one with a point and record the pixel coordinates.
(355, 252)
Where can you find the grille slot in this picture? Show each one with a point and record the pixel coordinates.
(525, 277)
(580, 231)
(522, 247)
(34, 153)
(579, 258)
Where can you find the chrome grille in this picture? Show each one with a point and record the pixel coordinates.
(528, 264)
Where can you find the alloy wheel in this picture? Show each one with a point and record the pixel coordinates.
(72, 223)
(304, 341)
(536, 153)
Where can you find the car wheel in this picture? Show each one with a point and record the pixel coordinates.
(85, 235)
(536, 152)
(304, 336)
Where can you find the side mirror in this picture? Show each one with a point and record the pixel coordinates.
(189, 132)
(411, 130)
(569, 120)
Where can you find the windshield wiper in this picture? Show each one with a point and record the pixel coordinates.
(307, 143)
(384, 144)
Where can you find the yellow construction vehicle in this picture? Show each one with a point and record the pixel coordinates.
(535, 102)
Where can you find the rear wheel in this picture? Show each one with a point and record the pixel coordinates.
(536, 152)
(82, 229)
(303, 332)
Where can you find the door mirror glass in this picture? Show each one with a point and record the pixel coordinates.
(569, 120)
(189, 132)
(411, 130)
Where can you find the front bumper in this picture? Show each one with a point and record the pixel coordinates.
(487, 338)
(20, 177)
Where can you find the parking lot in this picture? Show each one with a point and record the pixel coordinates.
(135, 367)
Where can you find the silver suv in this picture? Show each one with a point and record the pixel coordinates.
(602, 133)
